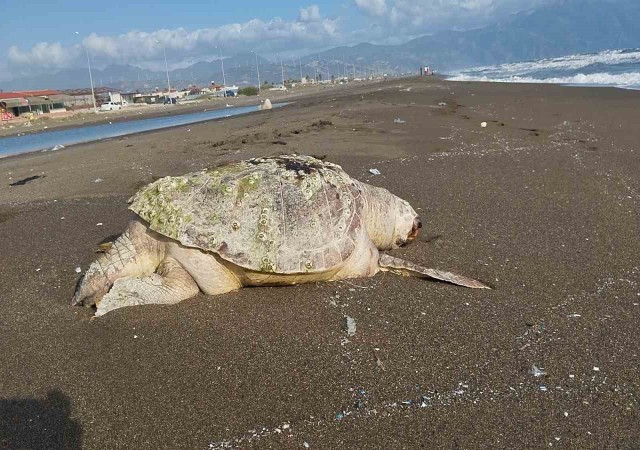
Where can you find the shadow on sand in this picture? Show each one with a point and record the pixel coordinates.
(39, 423)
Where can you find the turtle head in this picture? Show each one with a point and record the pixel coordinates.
(391, 222)
(407, 224)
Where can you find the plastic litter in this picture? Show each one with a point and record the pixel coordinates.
(543, 387)
(537, 371)
(483, 124)
(98, 180)
(350, 326)
(78, 269)
(398, 120)
(374, 171)
(339, 415)
(55, 147)
(442, 104)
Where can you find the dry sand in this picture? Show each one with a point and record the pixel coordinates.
(543, 203)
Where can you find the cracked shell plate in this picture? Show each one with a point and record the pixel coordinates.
(287, 214)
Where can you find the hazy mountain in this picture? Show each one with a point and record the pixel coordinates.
(565, 27)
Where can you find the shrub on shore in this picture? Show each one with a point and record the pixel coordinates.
(249, 90)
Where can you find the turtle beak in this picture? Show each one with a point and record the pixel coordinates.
(415, 230)
(413, 234)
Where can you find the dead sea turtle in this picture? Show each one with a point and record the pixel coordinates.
(266, 221)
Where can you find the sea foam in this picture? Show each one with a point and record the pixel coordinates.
(618, 68)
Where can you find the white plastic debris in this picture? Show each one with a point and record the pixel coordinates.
(98, 180)
(483, 124)
(78, 269)
(596, 369)
(99, 224)
(537, 371)
(374, 171)
(305, 444)
(57, 147)
(350, 326)
(398, 120)
(571, 316)
(442, 104)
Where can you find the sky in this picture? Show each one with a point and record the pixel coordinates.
(42, 36)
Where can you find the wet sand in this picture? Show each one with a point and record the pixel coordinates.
(543, 203)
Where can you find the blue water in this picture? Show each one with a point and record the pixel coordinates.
(47, 140)
(613, 68)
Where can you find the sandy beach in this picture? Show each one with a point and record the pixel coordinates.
(542, 203)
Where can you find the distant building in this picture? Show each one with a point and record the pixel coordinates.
(22, 103)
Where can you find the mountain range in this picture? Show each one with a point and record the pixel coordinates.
(562, 28)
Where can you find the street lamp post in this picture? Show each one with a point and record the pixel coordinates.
(300, 64)
(257, 70)
(93, 94)
(166, 67)
(282, 69)
(224, 81)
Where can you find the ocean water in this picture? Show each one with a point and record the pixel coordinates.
(613, 68)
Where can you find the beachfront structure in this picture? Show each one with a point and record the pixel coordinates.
(83, 98)
(31, 103)
(122, 98)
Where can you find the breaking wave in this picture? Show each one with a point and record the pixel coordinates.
(617, 68)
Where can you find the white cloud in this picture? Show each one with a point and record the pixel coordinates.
(44, 55)
(442, 14)
(372, 7)
(146, 48)
(309, 14)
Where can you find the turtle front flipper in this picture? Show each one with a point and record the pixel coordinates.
(137, 251)
(407, 268)
(170, 284)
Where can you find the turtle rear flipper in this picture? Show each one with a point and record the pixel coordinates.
(407, 268)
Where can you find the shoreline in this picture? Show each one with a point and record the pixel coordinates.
(571, 85)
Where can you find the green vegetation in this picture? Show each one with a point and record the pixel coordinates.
(249, 90)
